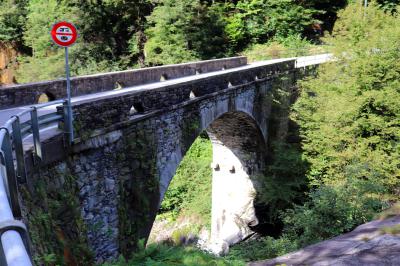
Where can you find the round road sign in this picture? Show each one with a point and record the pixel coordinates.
(64, 34)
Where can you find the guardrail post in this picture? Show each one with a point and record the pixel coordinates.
(19, 150)
(36, 134)
(12, 188)
(67, 123)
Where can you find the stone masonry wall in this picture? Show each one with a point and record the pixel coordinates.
(24, 94)
(112, 110)
(119, 172)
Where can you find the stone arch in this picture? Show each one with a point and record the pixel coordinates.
(45, 97)
(141, 157)
(238, 157)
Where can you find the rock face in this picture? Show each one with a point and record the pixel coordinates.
(366, 245)
(8, 56)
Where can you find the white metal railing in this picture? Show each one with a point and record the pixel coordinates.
(14, 239)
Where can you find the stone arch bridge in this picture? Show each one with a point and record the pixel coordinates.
(103, 191)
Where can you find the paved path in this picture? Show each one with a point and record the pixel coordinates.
(365, 246)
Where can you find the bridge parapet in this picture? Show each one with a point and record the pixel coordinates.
(102, 113)
(24, 94)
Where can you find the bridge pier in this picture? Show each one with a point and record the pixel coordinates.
(238, 160)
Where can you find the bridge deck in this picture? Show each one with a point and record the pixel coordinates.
(301, 62)
(53, 130)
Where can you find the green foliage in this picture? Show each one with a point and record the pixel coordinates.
(110, 27)
(107, 30)
(349, 117)
(262, 248)
(166, 39)
(190, 190)
(349, 124)
(190, 30)
(255, 21)
(118, 34)
(56, 228)
(39, 68)
(37, 26)
(46, 61)
(333, 210)
(12, 16)
(184, 31)
(394, 210)
(283, 182)
(179, 236)
(389, 5)
(291, 46)
(349, 114)
(164, 255)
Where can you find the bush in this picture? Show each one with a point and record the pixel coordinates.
(263, 248)
(290, 46)
(333, 210)
(164, 255)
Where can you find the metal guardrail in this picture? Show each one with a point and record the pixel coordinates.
(14, 238)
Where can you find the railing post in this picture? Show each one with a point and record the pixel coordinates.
(68, 129)
(11, 187)
(36, 134)
(19, 150)
(14, 240)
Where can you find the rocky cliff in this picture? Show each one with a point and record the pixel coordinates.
(8, 63)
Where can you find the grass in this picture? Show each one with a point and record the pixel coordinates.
(166, 255)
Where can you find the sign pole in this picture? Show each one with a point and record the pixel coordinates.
(64, 34)
(70, 117)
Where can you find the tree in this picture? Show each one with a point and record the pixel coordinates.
(115, 29)
(167, 43)
(12, 17)
(46, 61)
(110, 36)
(185, 30)
(389, 5)
(257, 21)
(349, 117)
(328, 12)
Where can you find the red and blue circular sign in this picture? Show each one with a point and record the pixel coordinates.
(64, 34)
